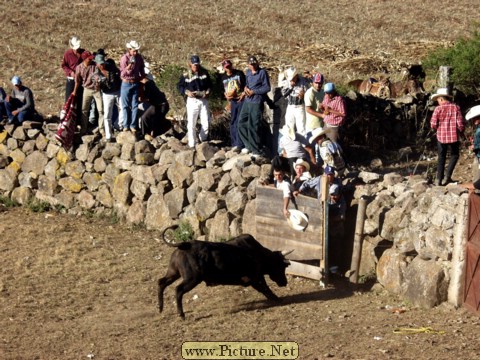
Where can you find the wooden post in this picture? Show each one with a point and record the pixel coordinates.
(357, 243)
(444, 80)
(324, 197)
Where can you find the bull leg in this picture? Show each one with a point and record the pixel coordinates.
(184, 287)
(163, 283)
(262, 287)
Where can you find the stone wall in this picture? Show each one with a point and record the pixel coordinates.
(153, 183)
(415, 233)
(415, 238)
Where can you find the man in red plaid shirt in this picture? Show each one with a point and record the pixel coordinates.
(447, 119)
(333, 107)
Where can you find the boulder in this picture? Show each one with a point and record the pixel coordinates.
(157, 216)
(35, 162)
(390, 270)
(136, 213)
(121, 188)
(175, 200)
(219, 226)
(235, 200)
(22, 195)
(207, 204)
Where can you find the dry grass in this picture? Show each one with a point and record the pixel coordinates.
(343, 39)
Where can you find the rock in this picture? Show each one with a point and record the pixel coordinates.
(28, 180)
(249, 225)
(111, 150)
(18, 156)
(86, 200)
(144, 159)
(121, 188)
(99, 165)
(144, 147)
(52, 150)
(157, 216)
(426, 284)
(369, 177)
(65, 199)
(140, 190)
(82, 152)
(207, 179)
(75, 169)
(128, 152)
(136, 213)
(19, 134)
(207, 204)
(224, 185)
(92, 180)
(175, 200)
(237, 177)
(236, 200)
(7, 182)
(180, 175)
(71, 184)
(35, 162)
(47, 185)
(205, 151)
(121, 164)
(22, 195)
(185, 157)
(28, 147)
(111, 172)
(126, 137)
(390, 270)
(104, 197)
(52, 169)
(41, 142)
(219, 226)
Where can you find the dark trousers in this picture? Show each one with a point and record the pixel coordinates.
(23, 115)
(249, 126)
(69, 86)
(442, 157)
(235, 109)
(154, 122)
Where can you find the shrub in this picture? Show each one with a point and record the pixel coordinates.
(39, 206)
(464, 60)
(7, 202)
(184, 232)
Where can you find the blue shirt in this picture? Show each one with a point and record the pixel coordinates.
(259, 83)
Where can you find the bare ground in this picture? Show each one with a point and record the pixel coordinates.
(73, 288)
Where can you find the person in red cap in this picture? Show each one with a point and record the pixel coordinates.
(233, 83)
(313, 100)
(84, 77)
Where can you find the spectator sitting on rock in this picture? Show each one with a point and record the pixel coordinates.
(153, 121)
(20, 105)
(330, 152)
(292, 147)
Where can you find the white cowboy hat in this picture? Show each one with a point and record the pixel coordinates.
(288, 132)
(133, 45)
(440, 92)
(318, 132)
(74, 43)
(290, 73)
(473, 113)
(297, 220)
(303, 163)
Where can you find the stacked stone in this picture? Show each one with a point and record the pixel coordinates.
(154, 183)
(415, 237)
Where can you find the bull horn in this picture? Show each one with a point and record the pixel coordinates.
(287, 252)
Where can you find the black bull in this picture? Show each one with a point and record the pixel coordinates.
(240, 261)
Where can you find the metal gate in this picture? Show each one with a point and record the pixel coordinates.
(472, 272)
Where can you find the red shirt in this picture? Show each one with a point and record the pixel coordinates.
(338, 104)
(70, 62)
(447, 119)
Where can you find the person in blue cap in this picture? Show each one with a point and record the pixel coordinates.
(20, 105)
(195, 86)
(334, 111)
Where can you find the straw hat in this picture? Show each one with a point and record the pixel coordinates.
(297, 220)
(288, 132)
(473, 113)
(318, 132)
(74, 43)
(133, 45)
(441, 92)
(303, 163)
(290, 73)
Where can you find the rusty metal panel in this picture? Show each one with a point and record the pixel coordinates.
(472, 271)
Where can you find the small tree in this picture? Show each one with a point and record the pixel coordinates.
(464, 58)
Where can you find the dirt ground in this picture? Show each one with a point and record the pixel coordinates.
(79, 288)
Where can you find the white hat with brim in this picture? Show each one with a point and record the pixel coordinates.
(303, 163)
(441, 92)
(288, 132)
(74, 43)
(318, 132)
(290, 73)
(297, 220)
(473, 113)
(133, 45)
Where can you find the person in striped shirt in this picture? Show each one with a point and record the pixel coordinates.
(449, 123)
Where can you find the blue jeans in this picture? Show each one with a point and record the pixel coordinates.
(129, 98)
(13, 105)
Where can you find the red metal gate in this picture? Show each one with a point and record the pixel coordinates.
(472, 274)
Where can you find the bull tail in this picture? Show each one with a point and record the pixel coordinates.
(168, 238)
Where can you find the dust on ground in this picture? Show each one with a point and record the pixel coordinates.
(83, 288)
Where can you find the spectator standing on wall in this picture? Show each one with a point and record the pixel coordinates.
(196, 85)
(132, 70)
(233, 83)
(251, 116)
(71, 59)
(313, 101)
(294, 90)
(334, 111)
(449, 123)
